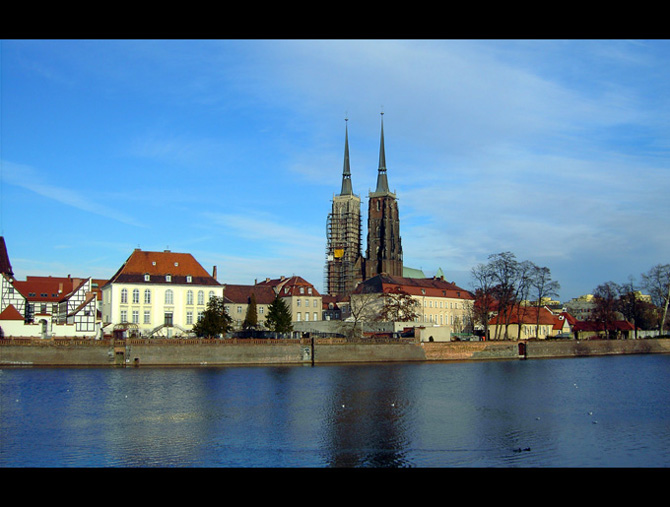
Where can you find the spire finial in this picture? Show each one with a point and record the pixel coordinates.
(346, 171)
(382, 182)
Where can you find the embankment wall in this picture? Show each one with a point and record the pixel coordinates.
(175, 352)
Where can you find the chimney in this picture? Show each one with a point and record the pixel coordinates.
(214, 273)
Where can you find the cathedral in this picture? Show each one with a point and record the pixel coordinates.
(346, 267)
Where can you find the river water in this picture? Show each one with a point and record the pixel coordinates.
(586, 412)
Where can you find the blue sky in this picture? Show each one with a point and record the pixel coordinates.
(555, 150)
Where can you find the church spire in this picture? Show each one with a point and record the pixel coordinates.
(346, 172)
(382, 182)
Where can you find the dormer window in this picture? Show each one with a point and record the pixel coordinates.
(189, 279)
(302, 290)
(168, 278)
(147, 277)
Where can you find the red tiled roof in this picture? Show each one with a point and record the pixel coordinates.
(525, 315)
(290, 286)
(590, 325)
(5, 265)
(11, 313)
(160, 264)
(46, 288)
(242, 294)
(432, 287)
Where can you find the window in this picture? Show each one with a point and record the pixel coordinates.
(201, 297)
(124, 316)
(309, 291)
(189, 279)
(261, 310)
(298, 302)
(168, 278)
(302, 290)
(136, 317)
(136, 296)
(298, 316)
(147, 316)
(169, 297)
(147, 296)
(189, 317)
(200, 315)
(211, 294)
(189, 297)
(316, 315)
(124, 296)
(306, 316)
(239, 309)
(147, 277)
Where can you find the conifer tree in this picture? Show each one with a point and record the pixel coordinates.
(279, 317)
(215, 320)
(251, 318)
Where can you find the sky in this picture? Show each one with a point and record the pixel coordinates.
(555, 150)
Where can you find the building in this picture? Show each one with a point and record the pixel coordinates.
(301, 297)
(237, 299)
(384, 251)
(437, 302)
(157, 294)
(525, 322)
(44, 294)
(45, 306)
(343, 248)
(345, 266)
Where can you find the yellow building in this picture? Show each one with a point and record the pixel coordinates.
(238, 297)
(437, 301)
(300, 296)
(157, 294)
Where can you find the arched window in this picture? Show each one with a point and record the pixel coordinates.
(189, 297)
(201, 297)
(168, 297)
(136, 296)
(147, 296)
(124, 296)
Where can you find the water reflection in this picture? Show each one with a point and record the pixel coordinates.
(367, 417)
(581, 412)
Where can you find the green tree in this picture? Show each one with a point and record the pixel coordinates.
(279, 317)
(215, 320)
(251, 318)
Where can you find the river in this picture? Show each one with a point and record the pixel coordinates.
(588, 412)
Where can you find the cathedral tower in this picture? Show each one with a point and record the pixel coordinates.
(343, 249)
(384, 253)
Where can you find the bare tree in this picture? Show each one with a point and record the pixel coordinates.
(542, 286)
(657, 282)
(606, 298)
(630, 305)
(398, 306)
(364, 308)
(484, 304)
(505, 269)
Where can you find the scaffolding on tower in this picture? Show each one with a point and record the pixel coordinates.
(343, 249)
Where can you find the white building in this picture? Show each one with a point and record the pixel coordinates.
(157, 294)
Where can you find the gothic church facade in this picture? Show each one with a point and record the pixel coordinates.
(345, 265)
